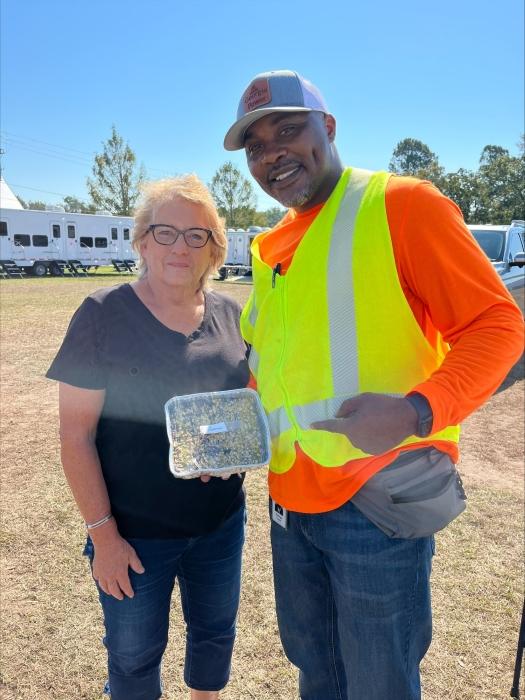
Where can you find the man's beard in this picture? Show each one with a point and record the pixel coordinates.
(298, 199)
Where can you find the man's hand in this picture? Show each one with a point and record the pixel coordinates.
(375, 423)
(110, 566)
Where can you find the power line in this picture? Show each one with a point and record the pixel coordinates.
(63, 157)
(54, 145)
(17, 141)
(25, 187)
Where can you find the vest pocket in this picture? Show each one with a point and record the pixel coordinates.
(417, 495)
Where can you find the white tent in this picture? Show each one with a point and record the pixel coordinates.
(7, 199)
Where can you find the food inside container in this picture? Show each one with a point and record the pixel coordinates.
(217, 433)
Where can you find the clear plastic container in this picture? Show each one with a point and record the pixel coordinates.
(217, 433)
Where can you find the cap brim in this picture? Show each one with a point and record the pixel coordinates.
(234, 139)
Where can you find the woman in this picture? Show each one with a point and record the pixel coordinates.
(128, 349)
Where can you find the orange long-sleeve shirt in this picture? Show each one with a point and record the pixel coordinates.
(452, 289)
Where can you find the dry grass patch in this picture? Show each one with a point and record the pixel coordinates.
(51, 624)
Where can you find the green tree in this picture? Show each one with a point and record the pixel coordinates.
(501, 178)
(493, 194)
(244, 217)
(274, 215)
(233, 195)
(259, 219)
(463, 187)
(413, 157)
(73, 204)
(116, 177)
(521, 146)
(491, 153)
(35, 204)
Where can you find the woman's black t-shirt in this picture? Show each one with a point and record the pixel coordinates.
(115, 343)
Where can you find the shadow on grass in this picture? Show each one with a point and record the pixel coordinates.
(101, 273)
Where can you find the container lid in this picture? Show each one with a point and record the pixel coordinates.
(217, 432)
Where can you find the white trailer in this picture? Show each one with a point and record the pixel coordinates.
(239, 258)
(39, 242)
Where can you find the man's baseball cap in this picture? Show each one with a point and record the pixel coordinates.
(273, 91)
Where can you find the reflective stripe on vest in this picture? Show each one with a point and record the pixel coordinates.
(340, 287)
(253, 361)
(336, 325)
(252, 317)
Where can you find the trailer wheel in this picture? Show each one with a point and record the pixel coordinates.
(55, 270)
(39, 269)
(223, 273)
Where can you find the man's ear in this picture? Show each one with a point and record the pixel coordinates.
(330, 126)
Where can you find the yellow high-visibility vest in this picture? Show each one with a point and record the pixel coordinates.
(336, 325)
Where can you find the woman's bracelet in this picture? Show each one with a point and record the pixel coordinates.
(98, 523)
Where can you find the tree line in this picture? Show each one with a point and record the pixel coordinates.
(493, 193)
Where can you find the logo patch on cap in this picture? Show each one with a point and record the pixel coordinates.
(256, 95)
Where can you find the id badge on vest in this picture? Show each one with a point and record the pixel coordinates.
(279, 514)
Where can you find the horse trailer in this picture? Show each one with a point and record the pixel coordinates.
(239, 257)
(41, 242)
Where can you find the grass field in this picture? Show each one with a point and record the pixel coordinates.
(51, 625)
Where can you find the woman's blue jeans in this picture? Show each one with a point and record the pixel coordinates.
(353, 606)
(208, 570)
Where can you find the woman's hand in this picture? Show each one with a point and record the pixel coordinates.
(80, 411)
(113, 557)
(206, 477)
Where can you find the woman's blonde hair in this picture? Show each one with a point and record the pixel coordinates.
(190, 189)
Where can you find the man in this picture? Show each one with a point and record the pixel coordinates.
(376, 326)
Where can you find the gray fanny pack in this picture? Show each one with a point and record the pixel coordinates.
(418, 494)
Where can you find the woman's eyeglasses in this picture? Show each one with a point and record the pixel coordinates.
(168, 235)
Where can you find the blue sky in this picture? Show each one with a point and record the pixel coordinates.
(169, 75)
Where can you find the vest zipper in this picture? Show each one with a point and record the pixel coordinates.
(276, 271)
(280, 289)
